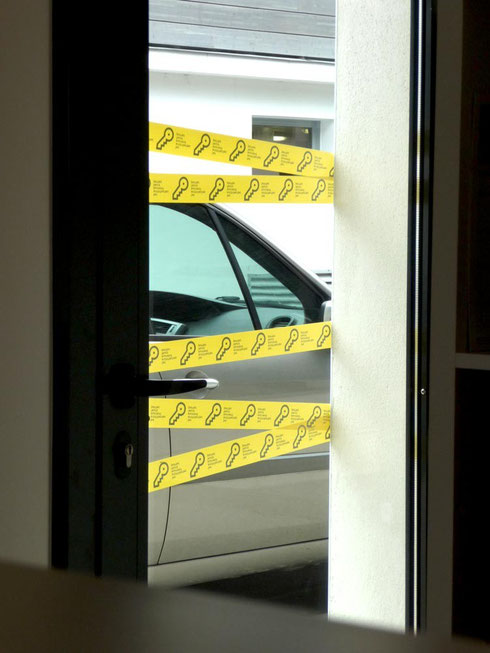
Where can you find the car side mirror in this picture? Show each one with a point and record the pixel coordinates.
(326, 311)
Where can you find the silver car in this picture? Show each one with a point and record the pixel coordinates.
(210, 274)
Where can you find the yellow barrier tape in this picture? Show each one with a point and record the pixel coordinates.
(224, 456)
(265, 189)
(240, 151)
(247, 345)
(208, 414)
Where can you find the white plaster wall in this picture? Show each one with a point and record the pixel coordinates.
(367, 469)
(226, 104)
(25, 377)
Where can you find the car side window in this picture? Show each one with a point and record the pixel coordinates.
(281, 297)
(193, 289)
(276, 305)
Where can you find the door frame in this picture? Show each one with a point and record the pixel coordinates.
(100, 307)
(100, 195)
(421, 154)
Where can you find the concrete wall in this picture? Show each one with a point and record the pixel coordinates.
(367, 482)
(25, 377)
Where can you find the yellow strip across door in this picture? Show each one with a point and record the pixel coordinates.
(196, 144)
(225, 414)
(246, 345)
(258, 189)
(238, 452)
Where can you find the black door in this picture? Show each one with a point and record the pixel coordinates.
(100, 324)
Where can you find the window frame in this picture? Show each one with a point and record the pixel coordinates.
(314, 124)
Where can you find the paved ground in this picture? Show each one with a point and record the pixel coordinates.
(304, 587)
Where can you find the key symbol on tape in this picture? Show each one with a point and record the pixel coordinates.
(272, 156)
(259, 342)
(240, 148)
(218, 187)
(190, 349)
(215, 412)
(268, 442)
(252, 189)
(331, 173)
(299, 436)
(153, 353)
(283, 413)
(225, 345)
(320, 188)
(178, 413)
(202, 145)
(293, 337)
(198, 463)
(235, 450)
(182, 186)
(249, 413)
(168, 135)
(162, 472)
(327, 434)
(286, 189)
(316, 414)
(324, 335)
(305, 161)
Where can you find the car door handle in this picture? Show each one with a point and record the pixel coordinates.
(123, 386)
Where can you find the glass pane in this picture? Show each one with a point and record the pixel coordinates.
(241, 260)
(290, 135)
(277, 291)
(258, 529)
(266, 290)
(193, 289)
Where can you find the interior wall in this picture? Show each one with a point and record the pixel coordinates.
(471, 564)
(367, 468)
(473, 327)
(443, 315)
(25, 379)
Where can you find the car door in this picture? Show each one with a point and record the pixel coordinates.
(195, 291)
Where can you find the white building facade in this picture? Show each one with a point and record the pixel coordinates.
(228, 93)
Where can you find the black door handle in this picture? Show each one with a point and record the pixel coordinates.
(123, 386)
(151, 388)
